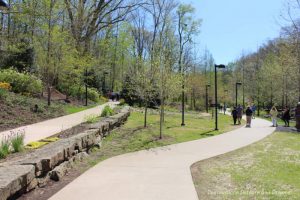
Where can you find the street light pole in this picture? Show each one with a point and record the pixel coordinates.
(236, 92)
(206, 97)
(216, 95)
(86, 87)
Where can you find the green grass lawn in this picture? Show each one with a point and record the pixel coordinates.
(71, 109)
(134, 137)
(269, 169)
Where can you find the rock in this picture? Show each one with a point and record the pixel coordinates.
(32, 185)
(42, 182)
(14, 179)
(60, 171)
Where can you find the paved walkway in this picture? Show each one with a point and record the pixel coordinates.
(158, 174)
(51, 127)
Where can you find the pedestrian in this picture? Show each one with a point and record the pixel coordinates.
(239, 113)
(286, 117)
(274, 113)
(253, 108)
(234, 115)
(249, 113)
(225, 108)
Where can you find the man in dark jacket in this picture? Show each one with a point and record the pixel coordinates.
(234, 114)
(249, 113)
(286, 117)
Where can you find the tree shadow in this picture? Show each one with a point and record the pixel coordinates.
(287, 129)
(208, 133)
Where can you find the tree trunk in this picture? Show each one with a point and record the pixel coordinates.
(49, 95)
(145, 116)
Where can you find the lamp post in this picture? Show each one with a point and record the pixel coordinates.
(86, 86)
(216, 94)
(206, 97)
(236, 92)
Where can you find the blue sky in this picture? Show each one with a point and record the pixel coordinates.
(232, 26)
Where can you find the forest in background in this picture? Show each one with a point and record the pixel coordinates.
(146, 49)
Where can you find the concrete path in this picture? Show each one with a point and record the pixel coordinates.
(160, 173)
(51, 127)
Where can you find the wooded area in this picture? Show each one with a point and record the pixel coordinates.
(144, 49)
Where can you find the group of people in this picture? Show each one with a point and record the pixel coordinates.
(286, 116)
(237, 114)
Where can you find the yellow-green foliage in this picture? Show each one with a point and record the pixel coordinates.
(36, 145)
(91, 119)
(43, 142)
(51, 139)
(5, 86)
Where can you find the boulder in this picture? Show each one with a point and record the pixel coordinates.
(15, 179)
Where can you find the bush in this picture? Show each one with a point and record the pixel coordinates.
(107, 111)
(3, 94)
(91, 119)
(122, 102)
(79, 93)
(4, 148)
(5, 86)
(103, 99)
(93, 94)
(17, 142)
(24, 83)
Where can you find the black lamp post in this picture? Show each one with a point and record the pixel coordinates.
(4, 5)
(236, 92)
(216, 94)
(206, 97)
(86, 86)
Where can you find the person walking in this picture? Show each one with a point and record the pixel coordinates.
(239, 113)
(286, 117)
(274, 113)
(253, 108)
(234, 115)
(249, 113)
(225, 108)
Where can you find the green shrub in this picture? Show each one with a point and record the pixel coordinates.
(122, 102)
(24, 83)
(4, 148)
(17, 142)
(107, 111)
(91, 119)
(103, 99)
(93, 95)
(79, 93)
(3, 94)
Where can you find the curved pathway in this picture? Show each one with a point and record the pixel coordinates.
(160, 173)
(54, 126)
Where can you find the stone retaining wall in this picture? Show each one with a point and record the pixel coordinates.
(52, 161)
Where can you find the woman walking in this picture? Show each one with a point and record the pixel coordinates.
(274, 113)
(234, 115)
(286, 117)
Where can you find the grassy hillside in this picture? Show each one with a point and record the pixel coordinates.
(17, 110)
